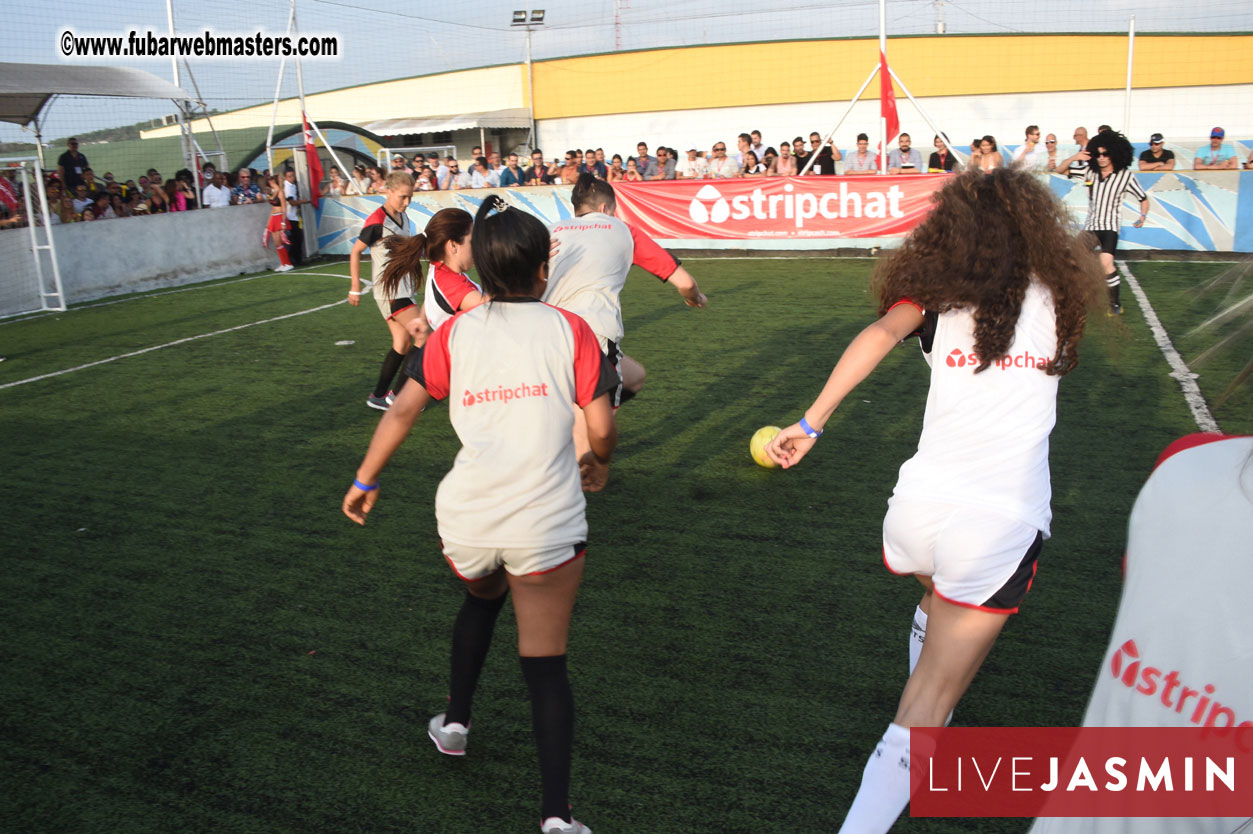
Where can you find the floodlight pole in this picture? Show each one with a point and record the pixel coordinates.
(528, 21)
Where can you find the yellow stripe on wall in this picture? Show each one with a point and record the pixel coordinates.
(737, 75)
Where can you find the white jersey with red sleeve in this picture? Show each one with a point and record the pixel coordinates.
(513, 370)
(985, 436)
(377, 227)
(650, 256)
(445, 290)
(1179, 654)
(590, 269)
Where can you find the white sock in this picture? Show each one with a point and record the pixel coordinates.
(917, 636)
(884, 790)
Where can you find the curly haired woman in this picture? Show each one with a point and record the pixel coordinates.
(996, 288)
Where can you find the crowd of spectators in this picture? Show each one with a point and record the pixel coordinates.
(752, 158)
(76, 194)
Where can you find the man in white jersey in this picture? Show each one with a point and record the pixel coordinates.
(589, 270)
(1179, 652)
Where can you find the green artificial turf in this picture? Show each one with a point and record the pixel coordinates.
(195, 639)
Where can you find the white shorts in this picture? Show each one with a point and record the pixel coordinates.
(975, 558)
(475, 563)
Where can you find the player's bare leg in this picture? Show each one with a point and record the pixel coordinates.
(918, 628)
(543, 605)
(632, 375)
(958, 640)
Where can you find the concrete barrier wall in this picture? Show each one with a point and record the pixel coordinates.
(1204, 211)
(113, 257)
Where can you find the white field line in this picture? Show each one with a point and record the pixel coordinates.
(1179, 370)
(76, 308)
(172, 344)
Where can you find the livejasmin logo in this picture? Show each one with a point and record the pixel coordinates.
(709, 206)
(958, 358)
(1206, 711)
(501, 394)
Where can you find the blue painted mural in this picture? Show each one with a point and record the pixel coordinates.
(1201, 211)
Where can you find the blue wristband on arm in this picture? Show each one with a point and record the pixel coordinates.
(364, 487)
(808, 429)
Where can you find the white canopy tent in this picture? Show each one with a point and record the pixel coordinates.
(26, 90)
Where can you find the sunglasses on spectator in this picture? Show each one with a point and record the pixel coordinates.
(1050, 141)
(723, 148)
(1102, 153)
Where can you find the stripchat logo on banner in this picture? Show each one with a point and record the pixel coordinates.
(1079, 772)
(778, 207)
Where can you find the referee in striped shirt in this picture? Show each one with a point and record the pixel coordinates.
(1108, 178)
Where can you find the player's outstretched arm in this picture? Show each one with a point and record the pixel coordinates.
(862, 356)
(354, 272)
(683, 281)
(602, 435)
(391, 432)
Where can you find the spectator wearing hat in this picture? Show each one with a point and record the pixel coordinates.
(1217, 156)
(399, 163)
(1157, 158)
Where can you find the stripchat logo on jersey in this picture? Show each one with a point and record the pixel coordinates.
(1199, 705)
(503, 394)
(709, 206)
(958, 358)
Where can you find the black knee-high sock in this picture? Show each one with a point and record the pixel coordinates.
(391, 364)
(552, 716)
(471, 638)
(1112, 282)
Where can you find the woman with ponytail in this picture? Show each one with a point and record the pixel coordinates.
(511, 513)
(395, 259)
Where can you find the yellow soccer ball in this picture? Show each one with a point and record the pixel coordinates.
(757, 446)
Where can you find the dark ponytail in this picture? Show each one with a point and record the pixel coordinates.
(509, 248)
(405, 254)
(589, 192)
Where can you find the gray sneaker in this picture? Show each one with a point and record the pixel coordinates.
(553, 825)
(450, 740)
(381, 403)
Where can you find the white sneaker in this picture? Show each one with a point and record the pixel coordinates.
(450, 739)
(285, 268)
(556, 825)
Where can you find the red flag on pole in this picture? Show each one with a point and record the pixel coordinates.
(887, 98)
(315, 164)
(8, 195)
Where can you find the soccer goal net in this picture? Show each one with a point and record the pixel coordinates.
(30, 280)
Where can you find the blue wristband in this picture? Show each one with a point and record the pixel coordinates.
(808, 429)
(363, 487)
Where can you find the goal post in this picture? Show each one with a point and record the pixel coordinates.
(31, 277)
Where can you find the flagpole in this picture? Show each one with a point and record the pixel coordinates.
(278, 89)
(851, 104)
(962, 158)
(883, 52)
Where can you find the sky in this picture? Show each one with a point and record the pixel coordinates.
(383, 40)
